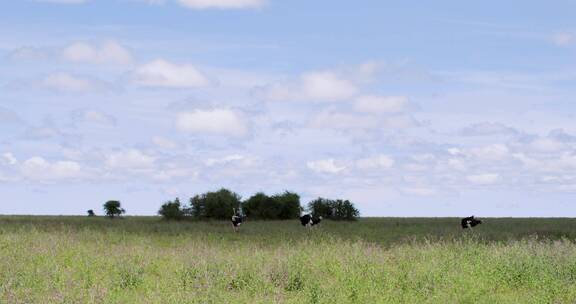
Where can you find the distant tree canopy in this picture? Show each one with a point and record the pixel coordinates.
(333, 209)
(219, 205)
(215, 205)
(172, 210)
(91, 213)
(277, 207)
(113, 208)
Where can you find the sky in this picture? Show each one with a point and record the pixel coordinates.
(443, 108)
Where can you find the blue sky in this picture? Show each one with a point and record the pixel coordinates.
(407, 109)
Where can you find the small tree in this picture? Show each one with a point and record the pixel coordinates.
(91, 212)
(172, 210)
(112, 209)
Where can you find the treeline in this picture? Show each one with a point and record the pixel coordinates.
(218, 205)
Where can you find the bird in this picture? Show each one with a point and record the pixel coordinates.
(469, 222)
(308, 220)
(237, 219)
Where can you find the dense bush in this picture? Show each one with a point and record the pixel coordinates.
(172, 210)
(215, 205)
(277, 207)
(333, 209)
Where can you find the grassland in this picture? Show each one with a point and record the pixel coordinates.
(384, 260)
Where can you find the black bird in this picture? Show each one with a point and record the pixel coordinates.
(237, 219)
(308, 220)
(469, 222)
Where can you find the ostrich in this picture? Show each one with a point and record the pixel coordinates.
(308, 220)
(237, 219)
(469, 222)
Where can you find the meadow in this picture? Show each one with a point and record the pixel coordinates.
(373, 260)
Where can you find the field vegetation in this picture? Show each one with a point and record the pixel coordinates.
(372, 260)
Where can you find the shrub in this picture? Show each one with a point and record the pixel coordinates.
(91, 212)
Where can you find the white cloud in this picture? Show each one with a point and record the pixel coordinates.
(494, 152)
(380, 104)
(325, 166)
(221, 4)
(375, 162)
(336, 120)
(109, 52)
(223, 160)
(488, 128)
(324, 86)
(213, 122)
(164, 143)
(564, 39)
(483, 179)
(419, 191)
(37, 168)
(28, 53)
(129, 159)
(161, 73)
(93, 116)
(8, 159)
(68, 83)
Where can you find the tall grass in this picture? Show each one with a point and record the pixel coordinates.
(389, 260)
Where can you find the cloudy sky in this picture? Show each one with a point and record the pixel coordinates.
(449, 108)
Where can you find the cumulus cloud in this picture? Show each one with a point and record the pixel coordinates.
(129, 159)
(380, 104)
(323, 86)
(224, 122)
(28, 53)
(375, 162)
(65, 82)
(487, 129)
(164, 142)
(8, 158)
(493, 152)
(223, 160)
(93, 116)
(161, 73)
(483, 179)
(39, 169)
(564, 39)
(337, 120)
(109, 52)
(325, 166)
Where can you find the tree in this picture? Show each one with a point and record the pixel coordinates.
(289, 203)
(279, 206)
(112, 209)
(333, 209)
(91, 212)
(172, 210)
(215, 205)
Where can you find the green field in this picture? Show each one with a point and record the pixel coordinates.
(379, 260)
